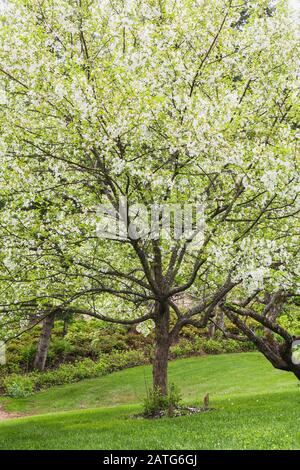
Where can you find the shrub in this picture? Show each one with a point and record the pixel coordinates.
(27, 354)
(174, 396)
(212, 346)
(9, 368)
(61, 347)
(155, 402)
(108, 343)
(18, 386)
(230, 345)
(183, 348)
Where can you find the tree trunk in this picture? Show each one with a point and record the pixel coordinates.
(287, 354)
(65, 328)
(211, 330)
(275, 302)
(41, 355)
(162, 346)
(221, 320)
(296, 372)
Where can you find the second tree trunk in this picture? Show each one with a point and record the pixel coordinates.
(43, 346)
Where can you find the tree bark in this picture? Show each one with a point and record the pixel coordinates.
(275, 303)
(287, 354)
(43, 346)
(65, 328)
(279, 354)
(161, 353)
(219, 322)
(221, 319)
(211, 330)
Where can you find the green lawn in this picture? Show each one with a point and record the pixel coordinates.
(256, 407)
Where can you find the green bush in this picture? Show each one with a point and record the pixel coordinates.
(212, 346)
(174, 396)
(208, 346)
(18, 386)
(27, 354)
(60, 347)
(155, 402)
(230, 345)
(107, 343)
(84, 339)
(10, 368)
(183, 348)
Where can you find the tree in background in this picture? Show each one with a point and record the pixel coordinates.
(270, 311)
(155, 102)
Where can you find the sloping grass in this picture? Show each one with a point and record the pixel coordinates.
(256, 407)
(268, 422)
(222, 376)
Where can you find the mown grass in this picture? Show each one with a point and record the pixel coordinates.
(222, 376)
(256, 407)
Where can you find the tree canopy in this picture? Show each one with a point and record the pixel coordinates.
(156, 102)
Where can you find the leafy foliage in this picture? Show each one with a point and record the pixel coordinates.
(156, 402)
(155, 101)
(21, 385)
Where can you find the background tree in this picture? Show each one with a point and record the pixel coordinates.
(156, 102)
(277, 342)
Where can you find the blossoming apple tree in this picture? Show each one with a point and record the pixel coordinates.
(155, 101)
